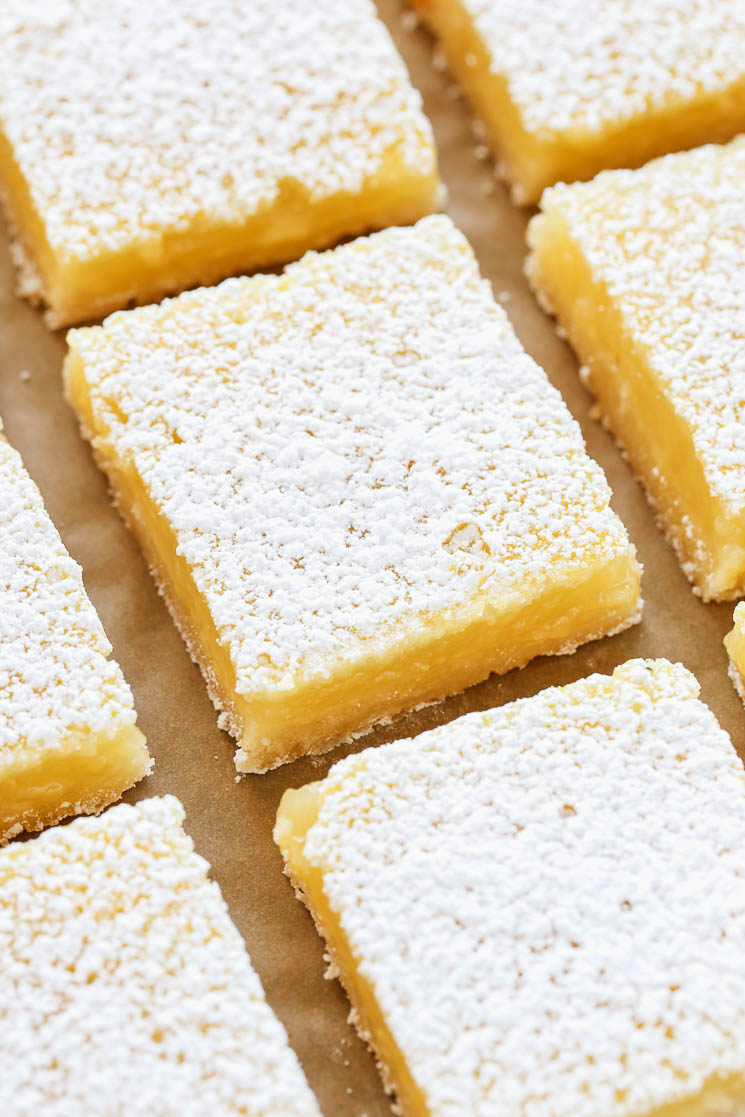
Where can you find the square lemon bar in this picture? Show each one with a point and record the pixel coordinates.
(357, 492)
(150, 146)
(540, 909)
(125, 987)
(734, 642)
(566, 88)
(68, 739)
(645, 273)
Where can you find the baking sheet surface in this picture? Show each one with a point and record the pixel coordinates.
(231, 822)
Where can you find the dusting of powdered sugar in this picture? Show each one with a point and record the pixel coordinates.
(125, 988)
(55, 678)
(130, 120)
(548, 899)
(348, 451)
(667, 243)
(573, 66)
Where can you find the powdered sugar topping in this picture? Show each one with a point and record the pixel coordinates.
(125, 988)
(570, 66)
(356, 446)
(548, 899)
(131, 119)
(668, 244)
(55, 679)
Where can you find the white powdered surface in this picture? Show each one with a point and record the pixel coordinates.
(668, 244)
(124, 986)
(55, 679)
(349, 451)
(132, 119)
(548, 899)
(572, 64)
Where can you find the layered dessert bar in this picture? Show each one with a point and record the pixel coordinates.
(356, 491)
(565, 90)
(541, 908)
(68, 739)
(644, 271)
(734, 642)
(149, 147)
(125, 987)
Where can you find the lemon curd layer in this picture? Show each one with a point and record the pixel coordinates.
(541, 908)
(356, 491)
(734, 642)
(68, 739)
(145, 148)
(564, 92)
(643, 270)
(125, 987)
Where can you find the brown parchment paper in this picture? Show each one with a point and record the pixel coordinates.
(231, 822)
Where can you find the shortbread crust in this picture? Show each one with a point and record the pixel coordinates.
(356, 491)
(565, 90)
(644, 271)
(68, 739)
(541, 908)
(125, 988)
(148, 147)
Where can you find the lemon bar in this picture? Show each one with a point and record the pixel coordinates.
(644, 270)
(149, 147)
(541, 908)
(565, 90)
(68, 739)
(356, 490)
(125, 987)
(734, 642)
